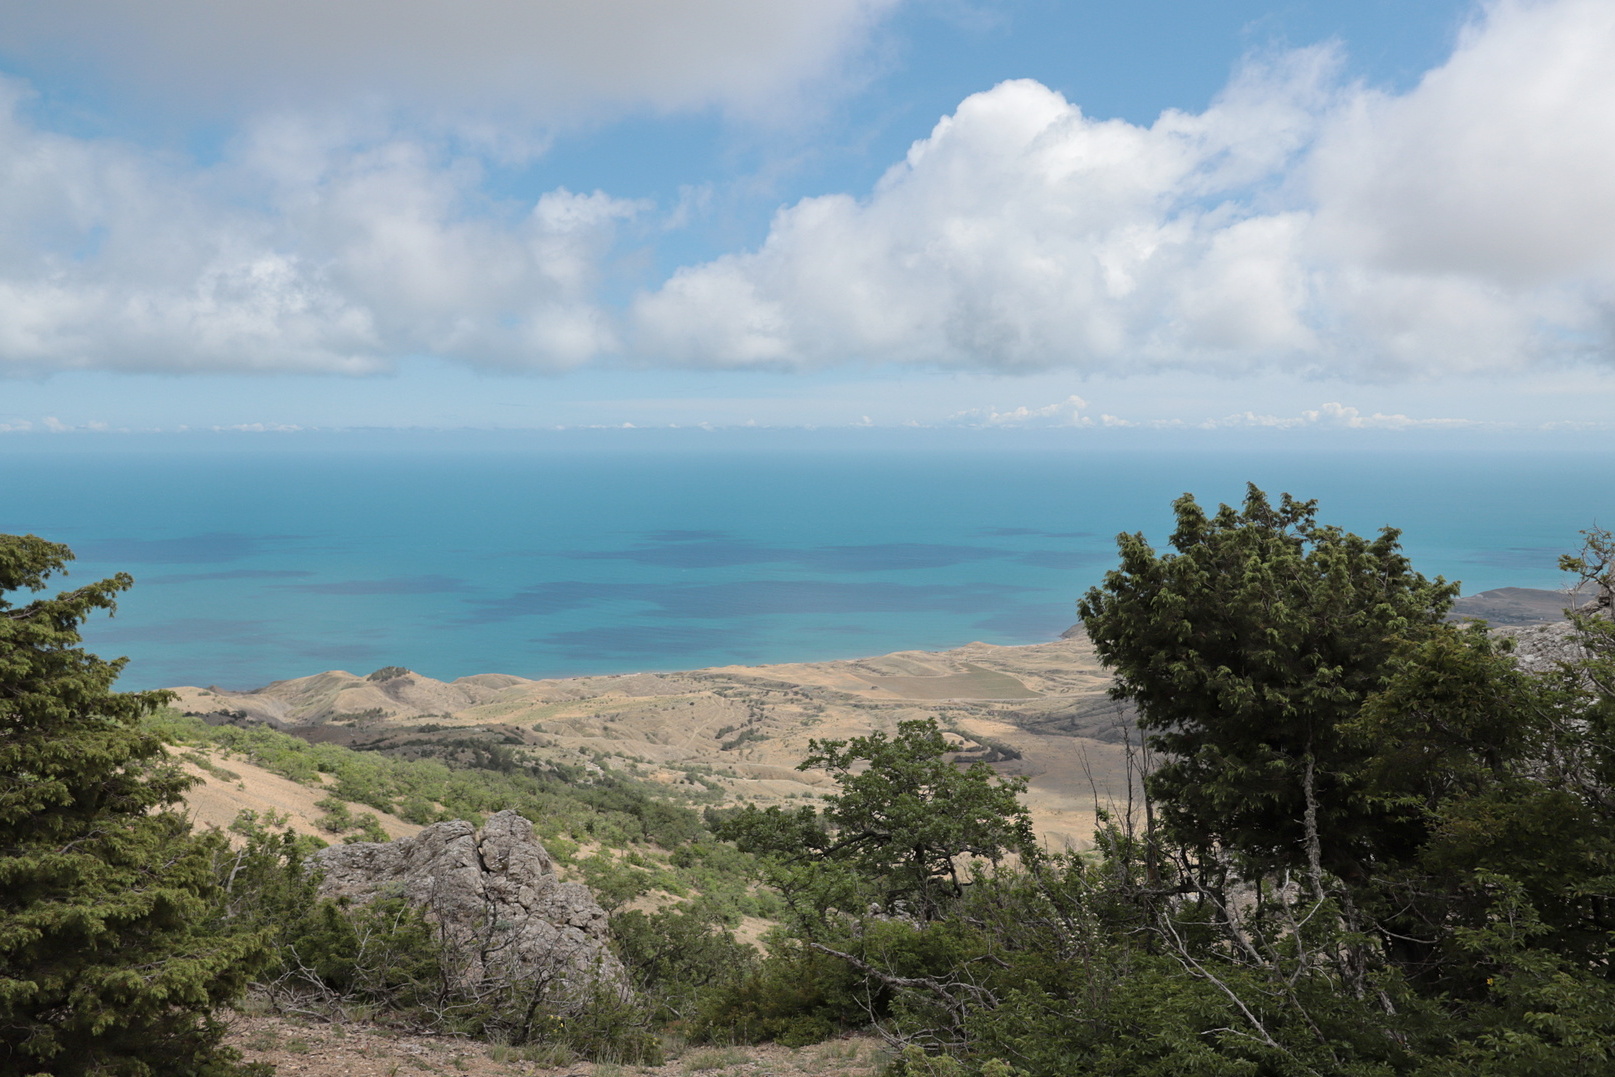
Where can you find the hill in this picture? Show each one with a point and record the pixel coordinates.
(1039, 710)
(737, 731)
(1507, 606)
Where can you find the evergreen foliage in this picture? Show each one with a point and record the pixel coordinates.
(904, 825)
(1246, 650)
(1371, 846)
(108, 960)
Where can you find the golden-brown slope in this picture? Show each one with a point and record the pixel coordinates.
(743, 729)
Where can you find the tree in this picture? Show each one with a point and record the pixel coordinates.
(904, 819)
(1452, 813)
(1246, 651)
(108, 963)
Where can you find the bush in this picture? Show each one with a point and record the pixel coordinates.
(678, 955)
(795, 996)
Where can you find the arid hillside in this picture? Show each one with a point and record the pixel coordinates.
(1040, 711)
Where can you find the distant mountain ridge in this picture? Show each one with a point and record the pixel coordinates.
(1505, 606)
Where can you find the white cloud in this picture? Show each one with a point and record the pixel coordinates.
(304, 250)
(1298, 224)
(1332, 415)
(524, 59)
(1498, 165)
(1068, 412)
(1339, 416)
(1023, 234)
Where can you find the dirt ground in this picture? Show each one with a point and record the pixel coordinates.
(299, 1048)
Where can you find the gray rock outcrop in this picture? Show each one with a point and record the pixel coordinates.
(1542, 647)
(494, 895)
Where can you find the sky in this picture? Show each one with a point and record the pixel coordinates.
(510, 214)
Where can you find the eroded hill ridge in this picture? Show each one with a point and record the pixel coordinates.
(1039, 710)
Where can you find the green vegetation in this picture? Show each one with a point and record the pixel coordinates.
(899, 830)
(122, 933)
(387, 961)
(383, 960)
(679, 956)
(566, 803)
(1247, 651)
(643, 843)
(1368, 845)
(107, 961)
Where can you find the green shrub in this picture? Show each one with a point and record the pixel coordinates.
(795, 996)
(338, 816)
(676, 955)
(609, 1028)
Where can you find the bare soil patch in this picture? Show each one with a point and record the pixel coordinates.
(220, 798)
(975, 683)
(298, 1048)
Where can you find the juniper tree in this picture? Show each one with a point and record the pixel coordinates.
(1247, 650)
(108, 962)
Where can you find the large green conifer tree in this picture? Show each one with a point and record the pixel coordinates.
(108, 962)
(1247, 650)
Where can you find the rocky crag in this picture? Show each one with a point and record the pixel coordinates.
(493, 893)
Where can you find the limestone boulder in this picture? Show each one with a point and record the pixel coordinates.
(503, 913)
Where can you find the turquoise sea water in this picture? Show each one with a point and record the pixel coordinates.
(550, 556)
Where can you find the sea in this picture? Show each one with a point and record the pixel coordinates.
(259, 557)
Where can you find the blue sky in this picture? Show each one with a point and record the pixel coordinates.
(354, 213)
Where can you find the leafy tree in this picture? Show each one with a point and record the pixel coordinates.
(905, 818)
(1496, 890)
(1387, 847)
(907, 815)
(871, 883)
(107, 961)
(1246, 651)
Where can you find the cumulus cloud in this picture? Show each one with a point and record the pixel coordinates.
(1024, 234)
(303, 250)
(1297, 224)
(534, 59)
(1068, 412)
(1498, 165)
(1300, 224)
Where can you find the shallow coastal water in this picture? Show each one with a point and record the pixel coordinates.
(549, 557)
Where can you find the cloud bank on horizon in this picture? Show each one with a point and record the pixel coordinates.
(1303, 223)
